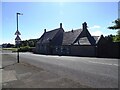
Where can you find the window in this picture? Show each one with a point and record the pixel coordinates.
(67, 50)
(56, 49)
(61, 49)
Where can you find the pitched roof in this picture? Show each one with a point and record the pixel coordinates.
(70, 36)
(85, 41)
(47, 36)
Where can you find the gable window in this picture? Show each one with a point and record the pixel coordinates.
(84, 41)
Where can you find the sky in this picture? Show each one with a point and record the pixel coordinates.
(38, 16)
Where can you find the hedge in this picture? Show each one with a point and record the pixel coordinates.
(26, 49)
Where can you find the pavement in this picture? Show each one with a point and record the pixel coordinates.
(24, 75)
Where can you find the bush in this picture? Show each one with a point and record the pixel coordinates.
(31, 49)
(25, 49)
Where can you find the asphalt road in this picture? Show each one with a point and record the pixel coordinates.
(93, 72)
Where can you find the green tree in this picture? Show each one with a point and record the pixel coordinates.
(116, 27)
(30, 42)
(117, 24)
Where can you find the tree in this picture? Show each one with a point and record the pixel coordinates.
(116, 27)
(30, 42)
(7, 45)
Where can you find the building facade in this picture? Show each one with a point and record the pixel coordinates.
(77, 42)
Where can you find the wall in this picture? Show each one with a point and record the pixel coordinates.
(109, 50)
(85, 50)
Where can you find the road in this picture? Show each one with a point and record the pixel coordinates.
(93, 72)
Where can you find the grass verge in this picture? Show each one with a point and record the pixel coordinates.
(11, 49)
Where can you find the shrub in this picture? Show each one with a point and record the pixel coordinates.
(24, 49)
(31, 49)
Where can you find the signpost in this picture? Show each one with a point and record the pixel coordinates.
(17, 39)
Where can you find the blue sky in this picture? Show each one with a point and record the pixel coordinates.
(38, 16)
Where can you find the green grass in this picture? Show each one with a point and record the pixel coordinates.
(12, 49)
(21, 49)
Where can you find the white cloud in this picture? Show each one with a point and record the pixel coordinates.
(11, 41)
(96, 33)
(95, 30)
(95, 27)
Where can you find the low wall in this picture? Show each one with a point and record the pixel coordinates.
(83, 50)
(109, 50)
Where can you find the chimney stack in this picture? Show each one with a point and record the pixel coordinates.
(84, 26)
(72, 30)
(60, 25)
(44, 30)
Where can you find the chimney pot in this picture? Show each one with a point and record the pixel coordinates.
(84, 26)
(60, 25)
(72, 30)
(44, 30)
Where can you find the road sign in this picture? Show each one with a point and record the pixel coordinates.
(17, 42)
(17, 33)
(17, 38)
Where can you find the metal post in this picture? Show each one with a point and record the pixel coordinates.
(17, 45)
(18, 55)
(17, 39)
(17, 20)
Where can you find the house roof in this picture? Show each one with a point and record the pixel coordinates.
(70, 36)
(76, 37)
(47, 36)
(85, 41)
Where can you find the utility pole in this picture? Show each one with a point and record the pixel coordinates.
(17, 39)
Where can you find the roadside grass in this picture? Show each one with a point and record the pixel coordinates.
(11, 49)
(21, 49)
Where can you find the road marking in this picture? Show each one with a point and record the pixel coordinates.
(103, 63)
